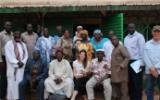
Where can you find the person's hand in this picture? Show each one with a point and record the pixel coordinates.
(141, 68)
(83, 72)
(95, 72)
(33, 80)
(86, 73)
(120, 67)
(153, 72)
(20, 64)
(106, 67)
(58, 80)
(78, 76)
(89, 73)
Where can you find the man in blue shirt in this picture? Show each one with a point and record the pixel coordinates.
(34, 75)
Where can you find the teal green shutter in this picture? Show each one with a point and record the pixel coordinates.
(114, 23)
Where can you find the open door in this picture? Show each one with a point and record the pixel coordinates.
(114, 23)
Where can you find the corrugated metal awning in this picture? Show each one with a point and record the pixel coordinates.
(23, 6)
(66, 3)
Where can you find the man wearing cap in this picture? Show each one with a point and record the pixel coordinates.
(98, 41)
(101, 74)
(134, 42)
(152, 61)
(119, 69)
(60, 80)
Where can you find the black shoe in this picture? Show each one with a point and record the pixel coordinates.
(68, 99)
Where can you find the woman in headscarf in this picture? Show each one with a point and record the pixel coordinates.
(85, 44)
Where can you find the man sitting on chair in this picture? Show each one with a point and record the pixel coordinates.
(101, 74)
(60, 80)
(35, 74)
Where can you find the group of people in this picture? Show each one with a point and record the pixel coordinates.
(54, 64)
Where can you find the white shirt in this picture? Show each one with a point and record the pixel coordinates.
(75, 38)
(98, 67)
(135, 45)
(48, 42)
(61, 69)
(152, 55)
(78, 66)
(108, 48)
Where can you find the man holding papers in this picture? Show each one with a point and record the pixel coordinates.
(152, 62)
(134, 42)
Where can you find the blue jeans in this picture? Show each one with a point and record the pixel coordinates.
(150, 86)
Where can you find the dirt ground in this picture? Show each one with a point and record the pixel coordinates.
(99, 96)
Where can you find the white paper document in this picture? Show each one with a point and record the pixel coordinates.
(136, 66)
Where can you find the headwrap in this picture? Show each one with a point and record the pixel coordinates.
(98, 31)
(84, 32)
(79, 27)
(59, 50)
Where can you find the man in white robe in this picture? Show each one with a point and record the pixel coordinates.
(16, 57)
(60, 80)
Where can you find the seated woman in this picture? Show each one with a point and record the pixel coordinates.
(81, 68)
(60, 80)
